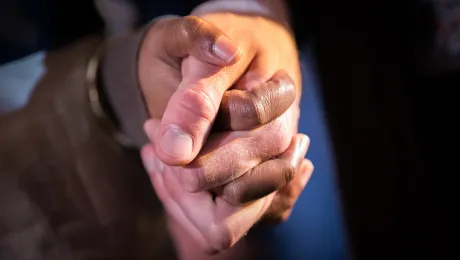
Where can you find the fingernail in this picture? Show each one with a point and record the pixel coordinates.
(176, 143)
(225, 49)
(305, 173)
(303, 142)
(149, 163)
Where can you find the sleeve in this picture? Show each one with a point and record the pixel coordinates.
(117, 72)
(293, 14)
(119, 79)
(66, 184)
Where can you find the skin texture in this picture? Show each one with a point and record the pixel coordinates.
(211, 220)
(244, 159)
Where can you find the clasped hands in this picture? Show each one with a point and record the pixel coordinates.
(223, 91)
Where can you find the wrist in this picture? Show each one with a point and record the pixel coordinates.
(98, 100)
(118, 80)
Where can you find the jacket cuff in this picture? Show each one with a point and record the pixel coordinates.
(274, 10)
(120, 81)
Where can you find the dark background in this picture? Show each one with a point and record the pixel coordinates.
(390, 110)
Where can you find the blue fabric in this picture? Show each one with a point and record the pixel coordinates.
(18, 80)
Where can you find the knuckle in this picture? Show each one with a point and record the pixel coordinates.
(234, 193)
(190, 179)
(257, 110)
(247, 112)
(220, 236)
(278, 135)
(289, 195)
(191, 26)
(198, 32)
(286, 93)
(289, 173)
(285, 83)
(198, 102)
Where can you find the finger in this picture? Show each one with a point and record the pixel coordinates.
(191, 36)
(170, 40)
(155, 171)
(190, 114)
(269, 176)
(285, 199)
(264, 64)
(248, 109)
(221, 224)
(214, 223)
(192, 108)
(226, 156)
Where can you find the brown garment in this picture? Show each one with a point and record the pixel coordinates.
(67, 190)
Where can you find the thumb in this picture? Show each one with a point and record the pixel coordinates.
(193, 36)
(189, 116)
(193, 107)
